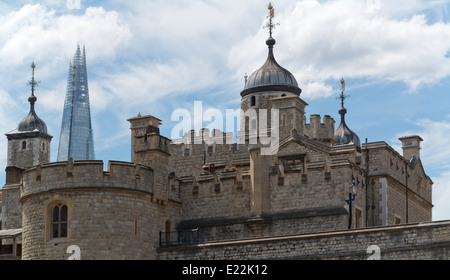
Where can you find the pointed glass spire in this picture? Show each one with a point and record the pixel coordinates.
(76, 139)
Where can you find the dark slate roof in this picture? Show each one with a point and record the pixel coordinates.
(32, 122)
(344, 135)
(271, 76)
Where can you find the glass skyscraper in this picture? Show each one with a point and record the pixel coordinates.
(76, 140)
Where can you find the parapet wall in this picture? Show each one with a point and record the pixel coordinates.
(320, 130)
(86, 174)
(424, 241)
(206, 136)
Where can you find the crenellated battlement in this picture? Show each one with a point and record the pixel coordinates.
(322, 131)
(86, 174)
(206, 136)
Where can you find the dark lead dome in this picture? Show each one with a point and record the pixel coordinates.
(32, 122)
(344, 135)
(271, 76)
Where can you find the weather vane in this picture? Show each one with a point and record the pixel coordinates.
(342, 97)
(33, 83)
(271, 15)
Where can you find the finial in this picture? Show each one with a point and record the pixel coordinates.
(343, 84)
(32, 99)
(245, 77)
(32, 67)
(271, 15)
(342, 97)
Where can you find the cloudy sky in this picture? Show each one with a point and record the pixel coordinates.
(155, 56)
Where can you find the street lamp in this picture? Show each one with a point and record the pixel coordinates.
(353, 190)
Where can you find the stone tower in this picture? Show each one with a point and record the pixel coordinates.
(271, 92)
(151, 149)
(28, 146)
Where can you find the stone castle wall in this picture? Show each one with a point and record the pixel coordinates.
(394, 197)
(112, 214)
(421, 241)
(10, 207)
(61, 175)
(302, 183)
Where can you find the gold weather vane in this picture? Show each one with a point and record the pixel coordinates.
(271, 15)
(32, 67)
(342, 97)
(33, 83)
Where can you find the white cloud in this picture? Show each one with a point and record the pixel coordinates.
(441, 196)
(7, 122)
(435, 134)
(321, 41)
(315, 89)
(37, 33)
(143, 84)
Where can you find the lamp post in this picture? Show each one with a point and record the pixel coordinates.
(353, 190)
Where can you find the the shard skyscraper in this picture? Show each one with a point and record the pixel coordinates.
(76, 140)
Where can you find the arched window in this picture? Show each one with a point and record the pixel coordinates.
(59, 221)
(24, 145)
(43, 146)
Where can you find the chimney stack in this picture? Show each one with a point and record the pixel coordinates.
(411, 146)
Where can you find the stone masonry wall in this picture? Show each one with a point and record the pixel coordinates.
(62, 175)
(11, 208)
(388, 171)
(427, 241)
(112, 214)
(103, 223)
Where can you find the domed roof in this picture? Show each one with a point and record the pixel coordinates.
(271, 76)
(344, 135)
(32, 122)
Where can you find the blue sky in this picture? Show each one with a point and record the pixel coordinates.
(152, 57)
